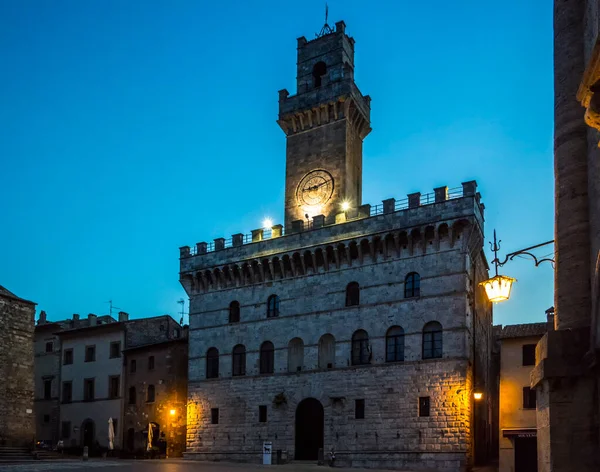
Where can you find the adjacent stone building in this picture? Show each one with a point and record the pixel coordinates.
(17, 426)
(567, 375)
(357, 328)
(156, 396)
(518, 427)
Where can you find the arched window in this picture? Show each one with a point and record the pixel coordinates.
(132, 396)
(239, 360)
(352, 294)
(150, 394)
(319, 70)
(267, 358)
(394, 344)
(361, 351)
(273, 306)
(327, 352)
(432, 340)
(212, 363)
(295, 355)
(412, 285)
(234, 312)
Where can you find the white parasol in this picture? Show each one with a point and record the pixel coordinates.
(150, 434)
(111, 434)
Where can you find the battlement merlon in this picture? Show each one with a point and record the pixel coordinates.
(419, 216)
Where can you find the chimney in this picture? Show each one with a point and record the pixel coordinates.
(550, 318)
(92, 319)
(42, 319)
(123, 316)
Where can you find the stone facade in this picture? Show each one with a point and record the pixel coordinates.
(17, 425)
(283, 349)
(166, 376)
(566, 376)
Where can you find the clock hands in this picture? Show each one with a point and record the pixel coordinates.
(315, 187)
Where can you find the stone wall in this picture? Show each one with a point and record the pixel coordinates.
(391, 435)
(17, 425)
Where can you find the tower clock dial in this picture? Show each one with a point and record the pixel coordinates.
(315, 188)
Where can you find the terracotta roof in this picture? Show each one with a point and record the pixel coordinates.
(7, 293)
(524, 330)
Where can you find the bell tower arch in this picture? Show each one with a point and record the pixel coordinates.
(325, 124)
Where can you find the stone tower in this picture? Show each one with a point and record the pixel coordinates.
(325, 124)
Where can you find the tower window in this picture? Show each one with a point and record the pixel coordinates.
(352, 294)
(319, 70)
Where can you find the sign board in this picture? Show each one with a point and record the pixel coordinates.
(267, 452)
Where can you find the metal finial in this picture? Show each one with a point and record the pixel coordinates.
(326, 28)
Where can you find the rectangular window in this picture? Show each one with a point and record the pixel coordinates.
(115, 349)
(359, 409)
(151, 363)
(214, 416)
(90, 353)
(529, 354)
(47, 389)
(132, 366)
(68, 357)
(424, 406)
(46, 418)
(67, 392)
(113, 385)
(89, 387)
(49, 346)
(262, 413)
(65, 430)
(528, 398)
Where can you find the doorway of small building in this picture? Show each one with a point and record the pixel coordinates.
(526, 454)
(130, 439)
(309, 429)
(88, 433)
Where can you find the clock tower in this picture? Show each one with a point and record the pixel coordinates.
(325, 124)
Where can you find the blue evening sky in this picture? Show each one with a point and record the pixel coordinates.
(129, 129)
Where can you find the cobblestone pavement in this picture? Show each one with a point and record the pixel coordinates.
(161, 466)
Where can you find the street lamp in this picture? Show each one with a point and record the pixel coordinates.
(498, 287)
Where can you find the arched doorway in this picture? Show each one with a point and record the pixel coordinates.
(309, 429)
(88, 433)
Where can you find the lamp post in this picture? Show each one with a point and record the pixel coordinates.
(498, 287)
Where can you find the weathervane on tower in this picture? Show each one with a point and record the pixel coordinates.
(326, 28)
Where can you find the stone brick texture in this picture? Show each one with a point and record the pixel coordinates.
(17, 425)
(312, 304)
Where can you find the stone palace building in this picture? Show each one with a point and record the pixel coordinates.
(352, 327)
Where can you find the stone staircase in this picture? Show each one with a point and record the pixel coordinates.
(10, 454)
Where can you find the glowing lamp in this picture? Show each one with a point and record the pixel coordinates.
(267, 223)
(345, 206)
(172, 412)
(498, 288)
(477, 395)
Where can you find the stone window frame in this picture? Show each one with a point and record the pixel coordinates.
(528, 354)
(151, 394)
(353, 294)
(529, 398)
(50, 345)
(273, 306)
(262, 413)
(424, 407)
(115, 353)
(87, 397)
(132, 395)
(394, 339)
(151, 363)
(90, 353)
(238, 360)
(111, 391)
(361, 349)
(267, 358)
(412, 285)
(433, 340)
(68, 356)
(212, 363)
(214, 416)
(47, 388)
(234, 312)
(63, 392)
(295, 355)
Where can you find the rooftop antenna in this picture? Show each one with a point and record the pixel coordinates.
(181, 301)
(112, 307)
(326, 28)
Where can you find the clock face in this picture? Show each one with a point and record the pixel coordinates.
(315, 188)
